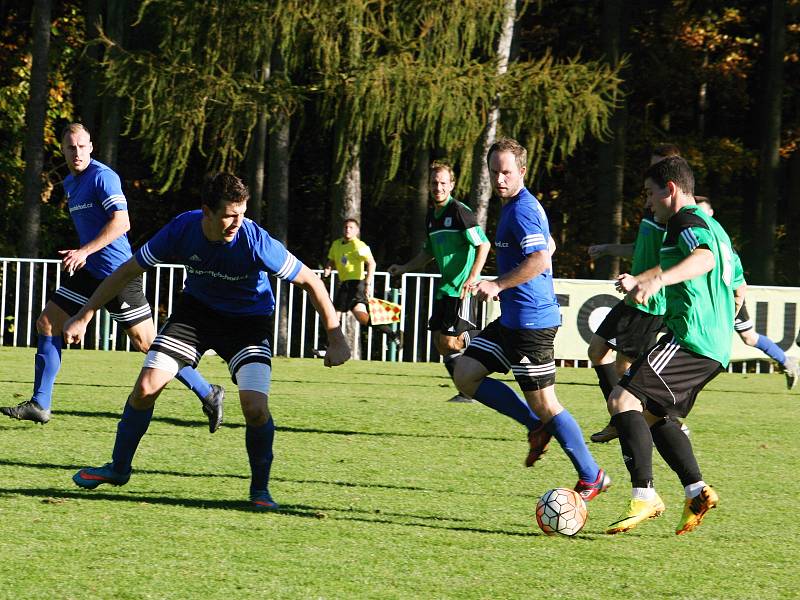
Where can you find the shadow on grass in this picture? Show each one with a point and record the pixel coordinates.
(338, 483)
(55, 496)
(177, 422)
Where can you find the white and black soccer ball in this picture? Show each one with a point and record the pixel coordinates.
(561, 511)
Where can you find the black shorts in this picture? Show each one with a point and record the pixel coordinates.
(743, 321)
(193, 328)
(453, 316)
(667, 378)
(628, 330)
(528, 353)
(349, 294)
(129, 308)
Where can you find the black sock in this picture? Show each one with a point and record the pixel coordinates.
(675, 448)
(636, 445)
(607, 376)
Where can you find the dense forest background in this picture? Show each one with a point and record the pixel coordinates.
(332, 108)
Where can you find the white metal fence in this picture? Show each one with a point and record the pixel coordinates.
(26, 285)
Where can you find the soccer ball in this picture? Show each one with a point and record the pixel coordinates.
(561, 511)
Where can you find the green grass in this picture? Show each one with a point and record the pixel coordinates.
(388, 492)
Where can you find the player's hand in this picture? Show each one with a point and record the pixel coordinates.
(486, 290)
(625, 283)
(395, 270)
(326, 272)
(469, 286)
(598, 251)
(74, 329)
(338, 351)
(73, 260)
(645, 290)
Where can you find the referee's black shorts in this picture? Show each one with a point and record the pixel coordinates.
(349, 293)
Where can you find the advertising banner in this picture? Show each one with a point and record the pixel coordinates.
(585, 303)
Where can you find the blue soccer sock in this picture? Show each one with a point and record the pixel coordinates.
(192, 379)
(132, 426)
(771, 349)
(497, 395)
(568, 433)
(47, 365)
(259, 451)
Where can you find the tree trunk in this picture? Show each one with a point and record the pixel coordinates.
(481, 188)
(257, 158)
(793, 221)
(34, 130)
(278, 205)
(611, 154)
(112, 106)
(87, 113)
(763, 265)
(422, 161)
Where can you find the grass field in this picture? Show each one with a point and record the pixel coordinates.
(388, 492)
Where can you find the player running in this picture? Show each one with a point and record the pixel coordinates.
(697, 272)
(460, 247)
(521, 339)
(99, 211)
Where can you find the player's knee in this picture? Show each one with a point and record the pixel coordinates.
(254, 408)
(466, 378)
(597, 350)
(141, 345)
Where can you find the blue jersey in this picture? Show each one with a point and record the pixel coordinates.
(93, 196)
(522, 230)
(226, 276)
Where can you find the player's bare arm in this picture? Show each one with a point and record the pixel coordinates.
(534, 265)
(738, 296)
(75, 328)
(698, 263)
(338, 351)
(118, 225)
(620, 250)
(370, 275)
(416, 263)
(474, 277)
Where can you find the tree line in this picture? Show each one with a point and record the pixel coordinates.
(335, 108)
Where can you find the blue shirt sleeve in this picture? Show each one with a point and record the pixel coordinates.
(275, 258)
(108, 188)
(531, 229)
(157, 249)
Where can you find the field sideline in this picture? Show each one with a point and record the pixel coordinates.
(388, 492)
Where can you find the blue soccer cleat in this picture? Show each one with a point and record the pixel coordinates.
(262, 501)
(90, 477)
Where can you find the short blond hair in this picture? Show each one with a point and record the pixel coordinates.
(74, 128)
(438, 165)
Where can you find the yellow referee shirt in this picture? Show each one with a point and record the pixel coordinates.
(350, 258)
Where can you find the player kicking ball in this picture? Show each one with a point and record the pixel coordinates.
(226, 301)
(697, 272)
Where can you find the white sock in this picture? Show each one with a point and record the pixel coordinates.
(643, 493)
(693, 489)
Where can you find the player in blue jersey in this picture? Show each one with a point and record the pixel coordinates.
(99, 211)
(226, 301)
(522, 338)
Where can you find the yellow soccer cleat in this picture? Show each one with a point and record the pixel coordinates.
(696, 508)
(638, 511)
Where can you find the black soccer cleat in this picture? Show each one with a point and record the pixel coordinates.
(30, 410)
(212, 406)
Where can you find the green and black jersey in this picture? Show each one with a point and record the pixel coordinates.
(700, 311)
(646, 255)
(453, 235)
